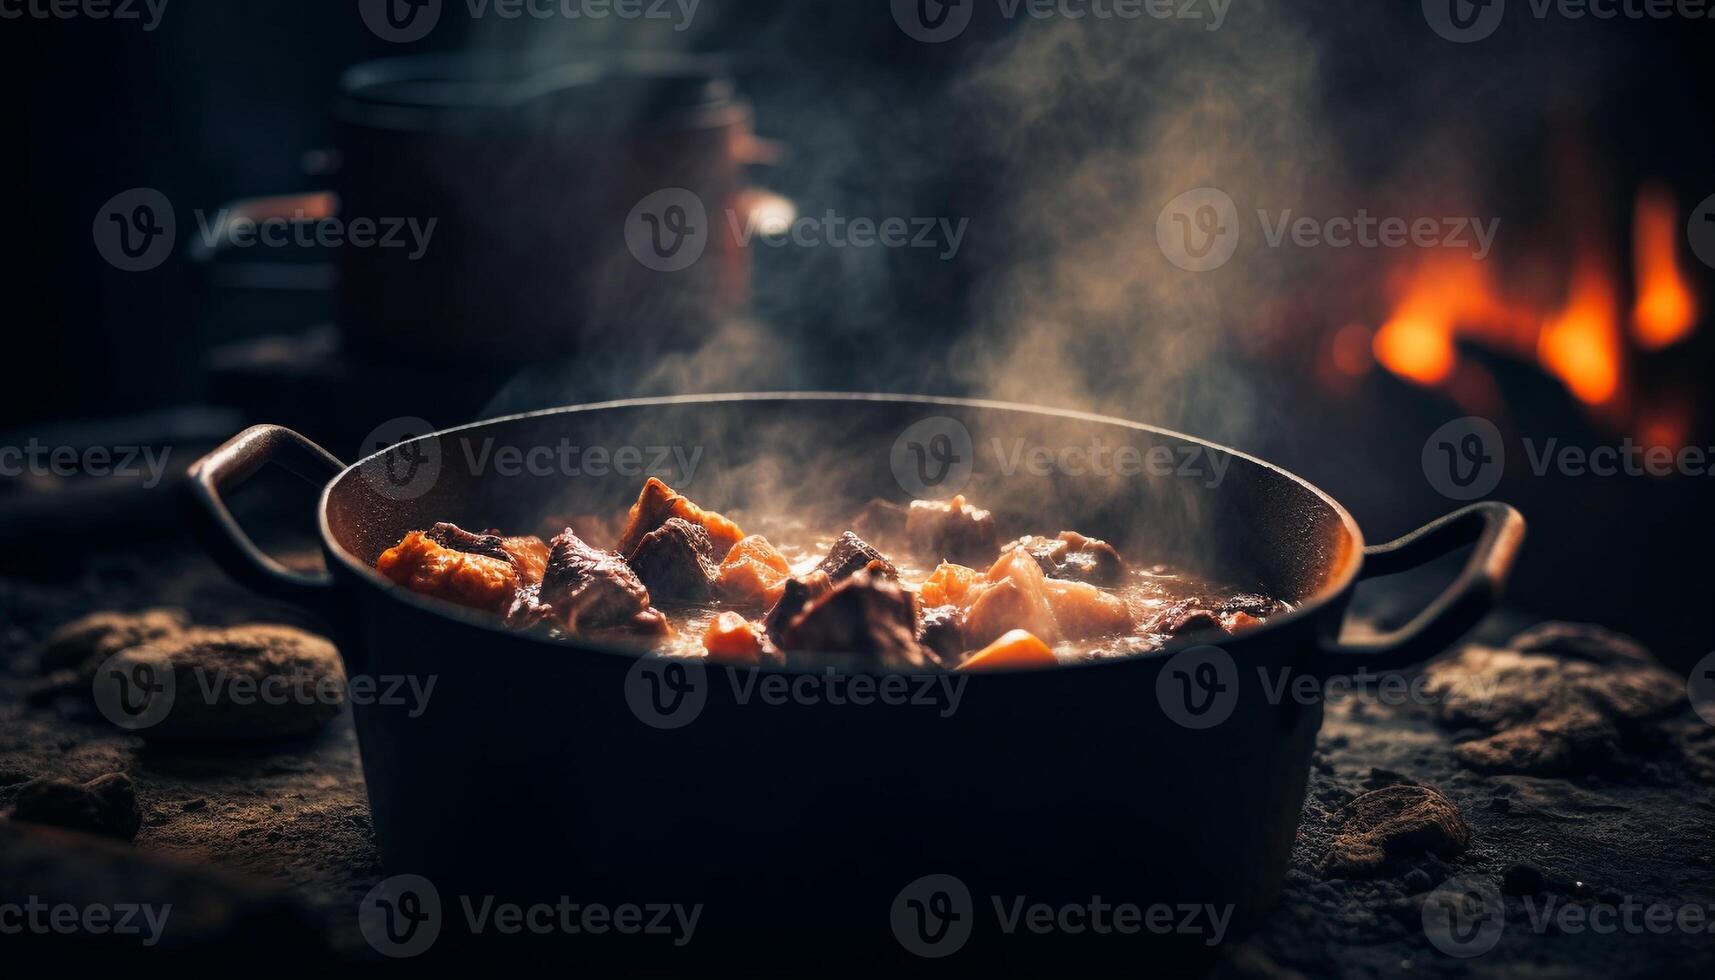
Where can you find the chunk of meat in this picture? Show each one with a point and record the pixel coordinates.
(938, 629)
(852, 554)
(674, 562)
(477, 581)
(951, 529)
(1234, 622)
(458, 539)
(1250, 604)
(1083, 611)
(587, 591)
(866, 617)
(753, 574)
(732, 639)
(1075, 557)
(528, 554)
(658, 503)
(1017, 650)
(948, 585)
(1189, 617)
(795, 594)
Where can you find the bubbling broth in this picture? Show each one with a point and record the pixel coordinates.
(928, 586)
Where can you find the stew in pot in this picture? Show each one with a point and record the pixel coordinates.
(929, 586)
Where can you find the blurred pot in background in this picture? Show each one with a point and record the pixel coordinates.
(582, 208)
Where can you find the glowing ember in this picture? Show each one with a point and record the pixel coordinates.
(1666, 310)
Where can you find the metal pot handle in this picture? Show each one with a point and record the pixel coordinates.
(1497, 531)
(226, 468)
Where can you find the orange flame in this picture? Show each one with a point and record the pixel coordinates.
(1666, 311)
(1442, 299)
(1581, 344)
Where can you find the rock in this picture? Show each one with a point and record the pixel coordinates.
(1394, 822)
(184, 908)
(82, 644)
(240, 683)
(1561, 702)
(46, 690)
(1582, 641)
(105, 805)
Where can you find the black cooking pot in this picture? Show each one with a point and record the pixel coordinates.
(538, 769)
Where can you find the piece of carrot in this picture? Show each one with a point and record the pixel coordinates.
(948, 585)
(732, 639)
(1017, 650)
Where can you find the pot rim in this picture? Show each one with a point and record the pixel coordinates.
(1341, 584)
(449, 94)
